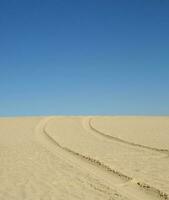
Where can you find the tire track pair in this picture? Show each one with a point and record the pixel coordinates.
(152, 192)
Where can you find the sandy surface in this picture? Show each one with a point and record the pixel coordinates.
(112, 158)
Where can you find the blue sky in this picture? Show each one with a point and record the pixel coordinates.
(84, 57)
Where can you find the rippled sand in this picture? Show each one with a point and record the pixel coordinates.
(113, 158)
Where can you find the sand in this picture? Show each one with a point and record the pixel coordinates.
(85, 157)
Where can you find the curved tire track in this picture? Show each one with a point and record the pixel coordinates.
(88, 158)
(107, 136)
(147, 188)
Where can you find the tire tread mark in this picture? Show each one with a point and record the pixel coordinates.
(98, 163)
(164, 151)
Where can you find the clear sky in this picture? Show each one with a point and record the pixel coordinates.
(80, 57)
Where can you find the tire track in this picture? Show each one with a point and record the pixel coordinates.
(50, 145)
(90, 160)
(140, 184)
(149, 192)
(109, 137)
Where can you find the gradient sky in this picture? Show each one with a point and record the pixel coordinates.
(80, 57)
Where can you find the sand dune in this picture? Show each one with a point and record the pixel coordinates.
(113, 158)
